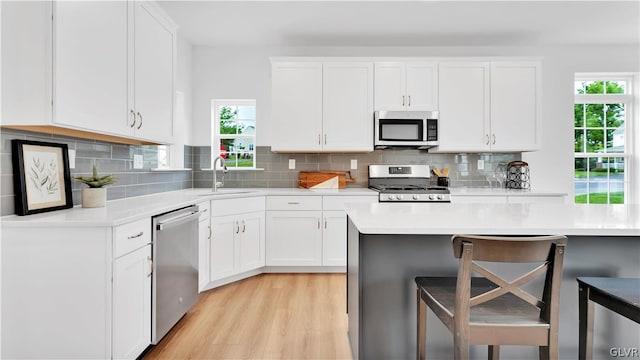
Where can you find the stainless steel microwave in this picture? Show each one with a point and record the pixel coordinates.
(407, 129)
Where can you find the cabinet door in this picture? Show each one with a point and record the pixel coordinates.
(348, 106)
(464, 106)
(131, 304)
(251, 241)
(422, 86)
(90, 65)
(223, 257)
(294, 238)
(296, 100)
(334, 239)
(390, 86)
(153, 75)
(204, 236)
(515, 105)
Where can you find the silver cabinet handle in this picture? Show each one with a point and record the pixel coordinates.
(150, 266)
(237, 227)
(136, 235)
(402, 100)
(210, 233)
(325, 223)
(409, 100)
(318, 139)
(140, 116)
(487, 142)
(318, 223)
(494, 139)
(293, 203)
(325, 139)
(133, 113)
(244, 226)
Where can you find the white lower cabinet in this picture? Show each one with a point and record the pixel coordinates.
(237, 242)
(294, 238)
(132, 271)
(132, 303)
(334, 238)
(308, 230)
(204, 236)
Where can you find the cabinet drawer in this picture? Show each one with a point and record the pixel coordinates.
(205, 210)
(294, 203)
(131, 236)
(337, 202)
(225, 207)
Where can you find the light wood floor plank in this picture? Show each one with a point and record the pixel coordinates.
(269, 316)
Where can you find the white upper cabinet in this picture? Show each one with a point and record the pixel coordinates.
(90, 65)
(406, 86)
(296, 100)
(497, 104)
(329, 106)
(153, 74)
(515, 105)
(111, 68)
(464, 106)
(347, 106)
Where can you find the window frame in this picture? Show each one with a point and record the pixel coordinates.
(216, 137)
(629, 99)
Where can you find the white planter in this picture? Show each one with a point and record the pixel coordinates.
(94, 197)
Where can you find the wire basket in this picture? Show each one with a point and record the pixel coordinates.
(518, 176)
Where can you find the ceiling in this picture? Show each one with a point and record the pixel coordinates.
(406, 23)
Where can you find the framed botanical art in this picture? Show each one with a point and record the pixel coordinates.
(41, 177)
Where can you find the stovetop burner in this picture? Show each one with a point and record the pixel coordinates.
(399, 187)
(405, 183)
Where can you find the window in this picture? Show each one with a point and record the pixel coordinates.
(602, 111)
(234, 132)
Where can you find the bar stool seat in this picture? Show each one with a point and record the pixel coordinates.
(489, 310)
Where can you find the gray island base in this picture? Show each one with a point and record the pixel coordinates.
(381, 293)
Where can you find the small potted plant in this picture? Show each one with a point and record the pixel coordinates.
(95, 195)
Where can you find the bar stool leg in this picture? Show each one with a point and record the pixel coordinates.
(494, 352)
(585, 324)
(422, 328)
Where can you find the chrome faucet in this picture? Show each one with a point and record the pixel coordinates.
(214, 187)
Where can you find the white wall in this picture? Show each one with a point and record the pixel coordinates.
(183, 119)
(237, 73)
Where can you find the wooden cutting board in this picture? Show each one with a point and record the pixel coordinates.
(309, 179)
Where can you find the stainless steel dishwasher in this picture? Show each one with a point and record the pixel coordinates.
(175, 268)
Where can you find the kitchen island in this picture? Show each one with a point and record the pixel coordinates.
(390, 244)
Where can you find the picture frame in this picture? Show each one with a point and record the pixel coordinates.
(41, 176)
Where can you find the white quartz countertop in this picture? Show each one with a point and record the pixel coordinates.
(496, 219)
(501, 192)
(122, 211)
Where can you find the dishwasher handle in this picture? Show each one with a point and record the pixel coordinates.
(177, 220)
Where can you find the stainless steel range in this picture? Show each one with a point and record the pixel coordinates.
(408, 183)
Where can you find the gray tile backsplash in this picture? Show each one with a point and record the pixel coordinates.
(463, 167)
(117, 159)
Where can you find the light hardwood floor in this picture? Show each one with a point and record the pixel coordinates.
(269, 316)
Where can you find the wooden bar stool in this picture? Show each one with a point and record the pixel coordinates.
(489, 310)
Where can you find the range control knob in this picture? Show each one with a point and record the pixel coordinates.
(398, 197)
(432, 197)
(415, 197)
(390, 197)
(439, 197)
